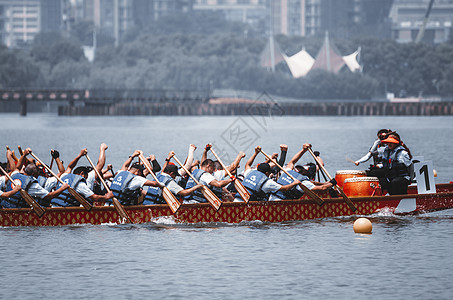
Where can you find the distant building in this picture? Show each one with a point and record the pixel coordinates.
(408, 15)
(246, 11)
(116, 17)
(147, 11)
(21, 21)
(342, 18)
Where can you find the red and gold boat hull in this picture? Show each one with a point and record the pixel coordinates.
(234, 212)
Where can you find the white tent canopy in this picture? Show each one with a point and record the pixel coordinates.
(300, 63)
(351, 61)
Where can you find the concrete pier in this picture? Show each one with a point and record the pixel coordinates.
(252, 108)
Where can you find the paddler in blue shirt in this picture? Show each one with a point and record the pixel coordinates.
(205, 175)
(258, 183)
(3, 182)
(167, 177)
(127, 185)
(29, 183)
(78, 181)
(304, 174)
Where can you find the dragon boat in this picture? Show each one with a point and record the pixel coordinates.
(237, 212)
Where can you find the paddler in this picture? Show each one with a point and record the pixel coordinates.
(127, 185)
(3, 181)
(167, 177)
(227, 192)
(258, 183)
(304, 174)
(205, 176)
(29, 183)
(78, 180)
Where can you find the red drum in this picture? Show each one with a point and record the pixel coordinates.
(341, 175)
(362, 186)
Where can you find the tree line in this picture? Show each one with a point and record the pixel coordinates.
(203, 51)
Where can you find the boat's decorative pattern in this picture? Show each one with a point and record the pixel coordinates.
(230, 212)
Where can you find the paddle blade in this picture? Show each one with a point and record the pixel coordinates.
(242, 191)
(312, 195)
(211, 197)
(38, 209)
(170, 199)
(121, 211)
(81, 200)
(346, 199)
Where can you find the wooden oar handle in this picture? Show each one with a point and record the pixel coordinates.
(47, 168)
(97, 173)
(147, 166)
(7, 176)
(221, 163)
(280, 167)
(320, 165)
(185, 169)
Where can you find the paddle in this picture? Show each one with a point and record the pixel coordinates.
(339, 189)
(119, 208)
(306, 190)
(88, 206)
(237, 184)
(168, 196)
(207, 193)
(38, 209)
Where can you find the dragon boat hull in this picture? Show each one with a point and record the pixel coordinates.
(234, 212)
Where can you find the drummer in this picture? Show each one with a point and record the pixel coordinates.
(375, 168)
(396, 162)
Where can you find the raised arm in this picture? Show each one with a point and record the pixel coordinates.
(101, 160)
(204, 156)
(236, 162)
(297, 156)
(108, 173)
(189, 160)
(281, 161)
(283, 152)
(249, 163)
(11, 163)
(154, 165)
(129, 160)
(167, 160)
(56, 155)
(74, 162)
(21, 162)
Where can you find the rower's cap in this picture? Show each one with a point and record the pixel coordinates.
(138, 166)
(264, 167)
(391, 140)
(171, 169)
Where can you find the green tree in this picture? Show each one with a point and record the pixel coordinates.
(18, 70)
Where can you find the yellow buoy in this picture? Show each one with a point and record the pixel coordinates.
(362, 225)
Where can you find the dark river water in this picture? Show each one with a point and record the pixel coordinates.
(406, 257)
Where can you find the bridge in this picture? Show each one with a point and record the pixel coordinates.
(216, 102)
(101, 96)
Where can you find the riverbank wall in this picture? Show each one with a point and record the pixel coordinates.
(228, 108)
